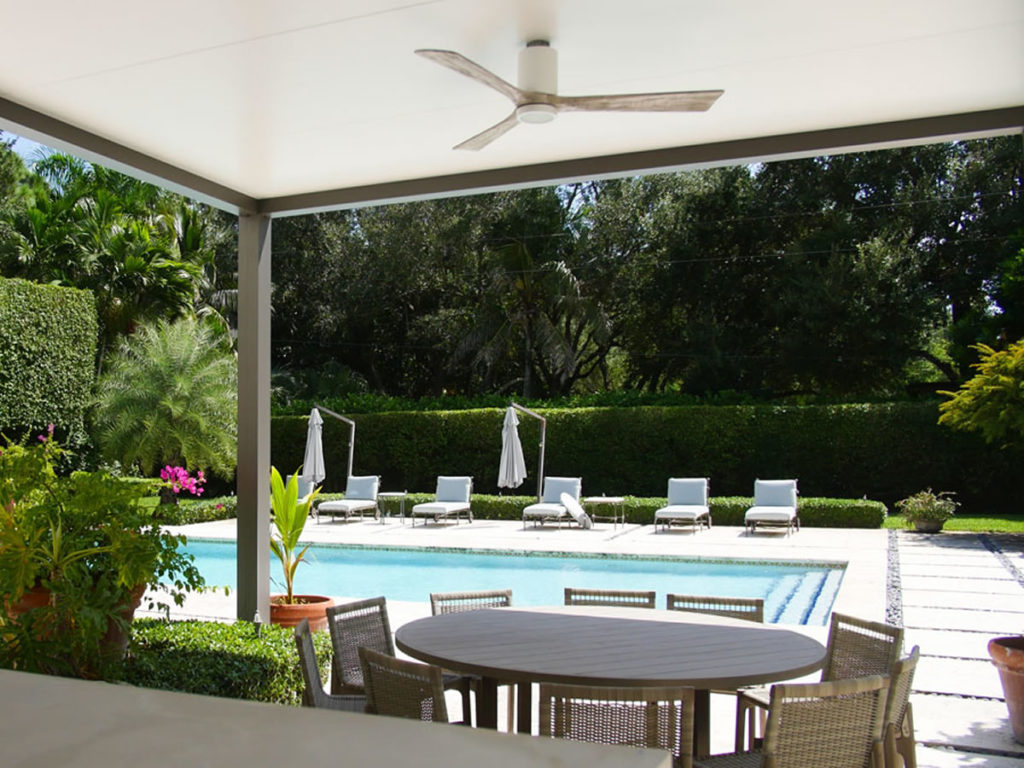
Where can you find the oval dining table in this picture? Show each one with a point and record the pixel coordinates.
(597, 645)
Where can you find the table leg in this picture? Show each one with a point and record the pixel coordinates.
(701, 722)
(487, 704)
(524, 708)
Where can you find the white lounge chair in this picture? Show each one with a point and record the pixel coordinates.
(451, 500)
(774, 506)
(687, 504)
(360, 495)
(550, 508)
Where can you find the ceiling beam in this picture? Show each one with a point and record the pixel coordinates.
(738, 152)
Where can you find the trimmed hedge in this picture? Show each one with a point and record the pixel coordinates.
(201, 510)
(880, 451)
(48, 338)
(217, 659)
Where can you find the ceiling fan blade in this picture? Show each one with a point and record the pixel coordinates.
(672, 101)
(484, 138)
(462, 65)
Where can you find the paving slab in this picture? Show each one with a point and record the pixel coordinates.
(973, 724)
(999, 586)
(929, 757)
(982, 601)
(965, 677)
(996, 622)
(983, 569)
(945, 542)
(939, 642)
(913, 555)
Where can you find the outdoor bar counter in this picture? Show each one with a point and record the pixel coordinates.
(49, 721)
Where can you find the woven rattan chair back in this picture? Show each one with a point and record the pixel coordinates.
(314, 695)
(749, 608)
(857, 648)
(401, 688)
(456, 602)
(363, 623)
(837, 723)
(899, 722)
(658, 718)
(614, 597)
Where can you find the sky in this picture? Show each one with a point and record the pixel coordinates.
(28, 149)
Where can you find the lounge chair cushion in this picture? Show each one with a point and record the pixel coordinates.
(362, 487)
(687, 491)
(454, 489)
(775, 493)
(770, 514)
(440, 508)
(681, 512)
(554, 487)
(545, 509)
(347, 506)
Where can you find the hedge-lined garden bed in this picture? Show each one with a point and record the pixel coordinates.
(217, 659)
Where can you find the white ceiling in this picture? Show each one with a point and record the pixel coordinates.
(272, 99)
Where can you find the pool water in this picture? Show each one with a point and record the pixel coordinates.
(794, 593)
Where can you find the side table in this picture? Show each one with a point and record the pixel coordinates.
(382, 499)
(616, 505)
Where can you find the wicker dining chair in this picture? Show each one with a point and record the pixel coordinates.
(837, 724)
(658, 718)
(856, 648)
(455, 602)
(612, 597)
(749, 608)
(900, 747)
(365, 624)
(314, 695)
(401, 688)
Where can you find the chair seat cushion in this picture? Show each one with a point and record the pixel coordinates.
(346, 505)
(432, 508)
(681, 512)
(770, 514)
(545, 509)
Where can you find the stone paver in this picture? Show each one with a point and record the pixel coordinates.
(942, 642)
(965, 723)
(928, 757)
(1005, 586)
(981, 601)
(993, 622)
(969, 677)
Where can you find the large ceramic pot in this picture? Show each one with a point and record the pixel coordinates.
(1008, 655)
(37, 597)
(928, 526)
(312, 607)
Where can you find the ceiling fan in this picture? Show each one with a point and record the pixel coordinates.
(536, 98)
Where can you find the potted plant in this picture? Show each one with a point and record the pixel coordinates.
(1008, 657)
(926, 510)
(77, 552)
(290, 515)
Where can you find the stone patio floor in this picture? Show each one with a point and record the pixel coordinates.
(950, 591)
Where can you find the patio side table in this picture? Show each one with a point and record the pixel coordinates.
(617, 505)
(382, 499)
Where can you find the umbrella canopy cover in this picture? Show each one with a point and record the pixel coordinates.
(313, 463)
(512, 471)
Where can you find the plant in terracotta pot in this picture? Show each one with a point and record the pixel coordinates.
(290, 516)
(76, 555)
(927, 511)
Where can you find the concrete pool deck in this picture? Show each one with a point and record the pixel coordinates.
(950, 591)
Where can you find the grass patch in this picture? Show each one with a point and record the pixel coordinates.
(971, 524)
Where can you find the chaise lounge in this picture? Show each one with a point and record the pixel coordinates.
(687, 504)
(360, 495)
(774, 506)
(550, 508)
(451, 500)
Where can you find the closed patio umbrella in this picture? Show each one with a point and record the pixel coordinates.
(512, 470)
(313, 464)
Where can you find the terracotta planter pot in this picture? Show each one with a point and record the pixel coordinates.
(37, 597)
(312, 607)
(928, 526)
(1008, 655)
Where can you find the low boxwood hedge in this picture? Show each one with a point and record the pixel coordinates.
(217, 659)
(188, 511)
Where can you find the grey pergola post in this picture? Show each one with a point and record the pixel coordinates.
(253, 593)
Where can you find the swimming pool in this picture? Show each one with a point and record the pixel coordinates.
(794, 593)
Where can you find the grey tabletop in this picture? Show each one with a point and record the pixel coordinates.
(611, 646)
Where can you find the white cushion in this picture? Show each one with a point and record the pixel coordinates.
(682, 512)
(545, 510)
(772, 514)
(346, 505)
(454, 488)
(440, 508)
(554, 487)
(688, 491)
(775, 493)
(362, 487)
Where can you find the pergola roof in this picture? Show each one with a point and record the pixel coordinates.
(273, 107)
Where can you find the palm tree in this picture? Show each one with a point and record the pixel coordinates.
(169, 397)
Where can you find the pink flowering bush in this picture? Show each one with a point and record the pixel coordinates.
(177, 479)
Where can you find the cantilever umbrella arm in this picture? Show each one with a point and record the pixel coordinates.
(543, 436)
(351, 434)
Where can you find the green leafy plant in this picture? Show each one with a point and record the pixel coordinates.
(992, 401)
(89, 544)
(290, 515)
(927, 506)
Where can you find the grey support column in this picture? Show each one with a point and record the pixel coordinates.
(253, 417)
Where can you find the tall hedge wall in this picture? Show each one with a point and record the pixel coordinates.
(879, 451)
(48, 337)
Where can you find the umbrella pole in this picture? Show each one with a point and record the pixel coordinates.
(351, 434)
(543, 439)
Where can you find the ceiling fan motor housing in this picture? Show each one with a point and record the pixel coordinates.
(538, 72)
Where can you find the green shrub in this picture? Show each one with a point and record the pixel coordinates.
(48, 337)
(189, 511)
(220, 659)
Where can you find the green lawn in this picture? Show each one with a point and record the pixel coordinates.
(973, 523)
